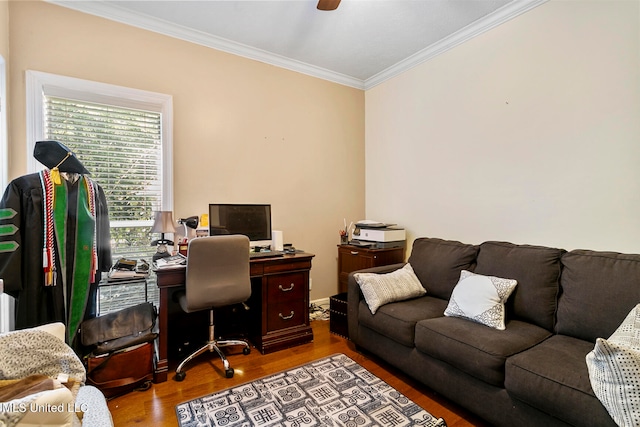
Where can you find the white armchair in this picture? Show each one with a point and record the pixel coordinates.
(42, 350)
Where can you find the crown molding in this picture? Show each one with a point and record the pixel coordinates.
(110, 10)
(478, 27)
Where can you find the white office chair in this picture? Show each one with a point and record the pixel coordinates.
(217, 275)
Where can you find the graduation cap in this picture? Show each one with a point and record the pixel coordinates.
(54, 154)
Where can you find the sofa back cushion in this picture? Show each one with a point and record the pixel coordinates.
(598, 289)
(537, 270)
(438, 264)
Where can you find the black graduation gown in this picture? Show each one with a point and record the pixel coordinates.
(22, 270)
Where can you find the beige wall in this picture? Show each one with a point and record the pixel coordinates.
(528, 133)
(4, 28)
(4, 60)
(244, 131)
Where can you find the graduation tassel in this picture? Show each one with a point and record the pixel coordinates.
(55, 172)
(55, 176)
(47, 268)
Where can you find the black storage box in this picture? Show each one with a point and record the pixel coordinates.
(338, 315)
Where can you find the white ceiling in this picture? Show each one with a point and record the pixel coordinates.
(361, 44)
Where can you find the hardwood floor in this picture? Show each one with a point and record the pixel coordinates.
(205, 376)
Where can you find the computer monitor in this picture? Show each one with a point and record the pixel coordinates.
(252, 220)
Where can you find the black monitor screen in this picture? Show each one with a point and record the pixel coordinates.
(254, 221)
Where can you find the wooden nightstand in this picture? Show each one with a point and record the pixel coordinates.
(352, 258)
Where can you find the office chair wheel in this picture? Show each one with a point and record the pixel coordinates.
(246, 350)
(180, 376)
(229, 373)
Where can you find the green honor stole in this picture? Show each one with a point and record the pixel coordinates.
(84, 266)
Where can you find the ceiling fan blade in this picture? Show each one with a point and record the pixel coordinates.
(328, 4)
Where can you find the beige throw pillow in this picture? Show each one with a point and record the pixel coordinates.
(379, 289)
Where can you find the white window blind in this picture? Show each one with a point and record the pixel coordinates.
(121, 148)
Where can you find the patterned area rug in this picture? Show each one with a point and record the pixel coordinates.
(334, 391)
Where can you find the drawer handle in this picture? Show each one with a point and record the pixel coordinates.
(290, 288)
(354, 252)
(286, 317)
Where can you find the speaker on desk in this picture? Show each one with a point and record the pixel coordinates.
(277, 242)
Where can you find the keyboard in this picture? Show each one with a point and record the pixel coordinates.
(267, 254)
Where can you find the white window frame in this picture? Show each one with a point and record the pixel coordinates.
(7, 305)
(40, 84)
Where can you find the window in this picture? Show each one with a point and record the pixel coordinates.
(123, 137)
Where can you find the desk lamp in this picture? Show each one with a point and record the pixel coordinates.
(163, 223)
(191, 222)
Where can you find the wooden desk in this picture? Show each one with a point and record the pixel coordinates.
(279, 305)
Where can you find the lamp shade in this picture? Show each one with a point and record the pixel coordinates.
(163, 222)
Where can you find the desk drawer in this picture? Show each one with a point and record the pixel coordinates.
(285, 288)
(285, 315)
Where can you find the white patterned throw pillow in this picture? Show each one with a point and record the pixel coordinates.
(614, 371)
(379, 289)
(480, 299)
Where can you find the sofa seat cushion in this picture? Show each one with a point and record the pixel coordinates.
(398, 320)
(553, 377)
(478, 350)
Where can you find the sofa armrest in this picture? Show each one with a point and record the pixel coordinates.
(354, 296)
(94, 405)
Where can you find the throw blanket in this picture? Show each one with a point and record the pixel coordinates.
(30, 352)
(16, 389)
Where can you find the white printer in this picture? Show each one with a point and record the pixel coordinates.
(378, 234)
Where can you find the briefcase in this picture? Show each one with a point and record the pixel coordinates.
(120, 329)
(122, 349)
(122, 371)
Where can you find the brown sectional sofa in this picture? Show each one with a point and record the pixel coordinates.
(533, 373)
